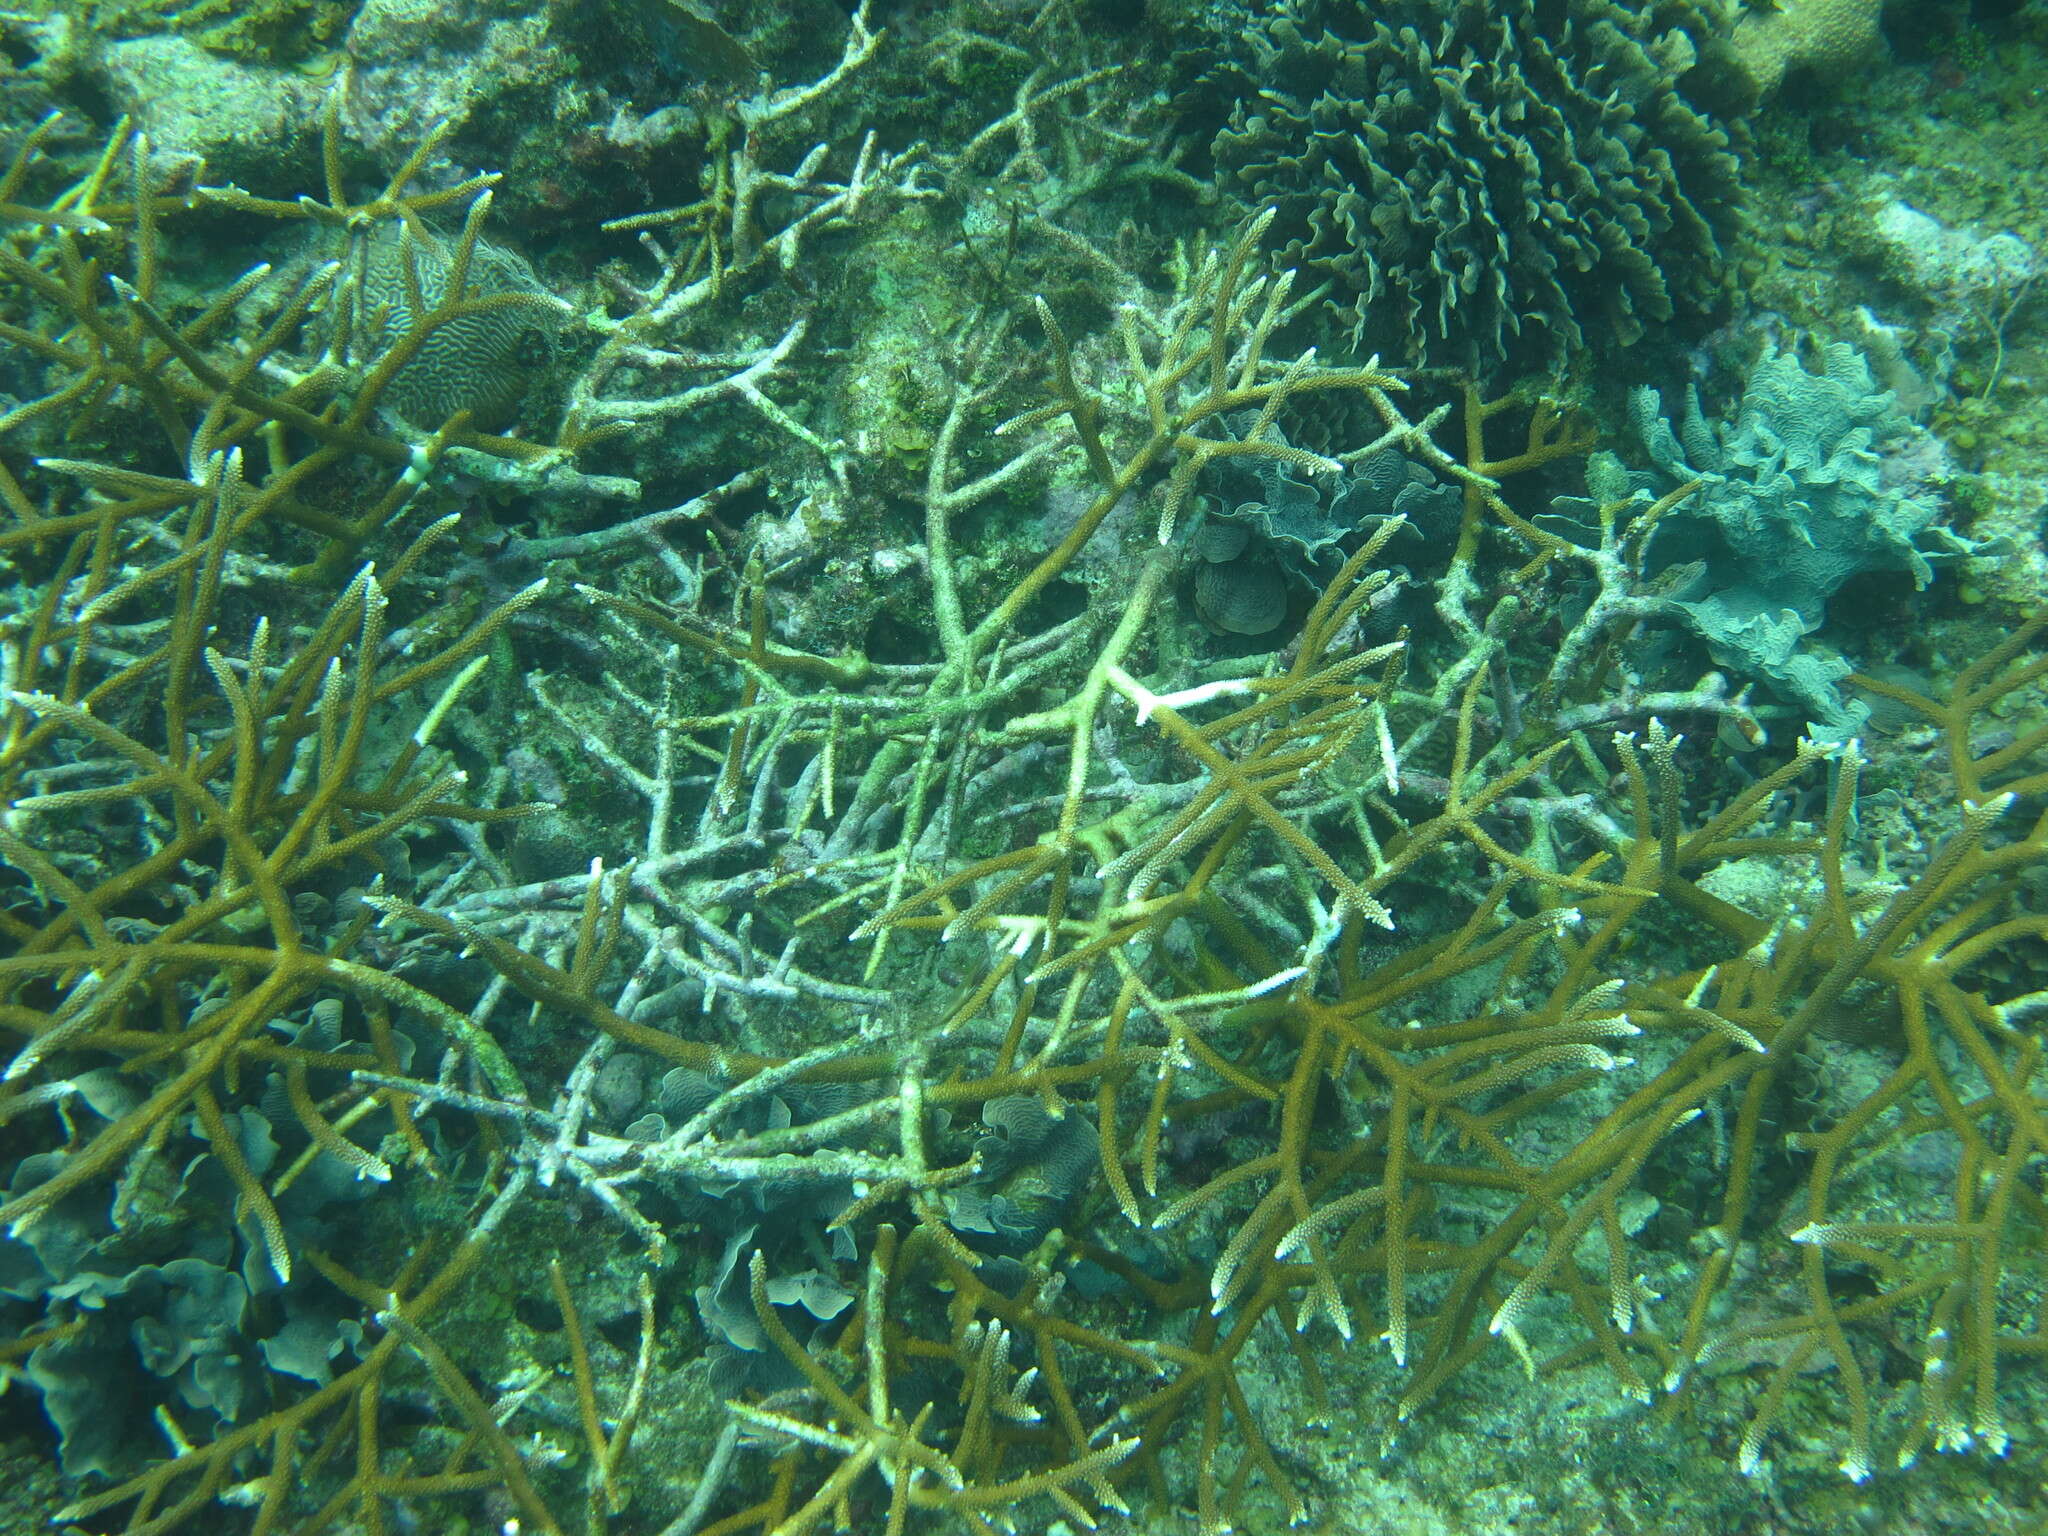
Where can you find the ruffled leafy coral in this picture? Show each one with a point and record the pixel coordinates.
(1481, 180)
(1818, 477)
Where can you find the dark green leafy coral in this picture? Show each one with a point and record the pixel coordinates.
(1483, 180)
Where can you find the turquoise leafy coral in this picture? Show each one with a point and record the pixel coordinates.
(1819, 477)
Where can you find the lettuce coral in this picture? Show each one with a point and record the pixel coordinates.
(1817, 478)
(1495, 179)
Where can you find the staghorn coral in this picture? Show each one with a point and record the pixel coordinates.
(1445, 1134)
(1449, 1129)
(193, 775)
(1386, 984)
(1481, 181)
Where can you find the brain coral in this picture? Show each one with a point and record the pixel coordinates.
(1486, 179)
(481, 361)
(1829, 37)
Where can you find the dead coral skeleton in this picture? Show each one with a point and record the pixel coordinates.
(723, 245)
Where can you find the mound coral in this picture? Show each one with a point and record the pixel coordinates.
(1828, 37)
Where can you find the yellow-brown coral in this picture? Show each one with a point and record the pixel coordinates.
(1829, 37)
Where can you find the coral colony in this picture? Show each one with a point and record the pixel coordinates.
(1014, 768)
